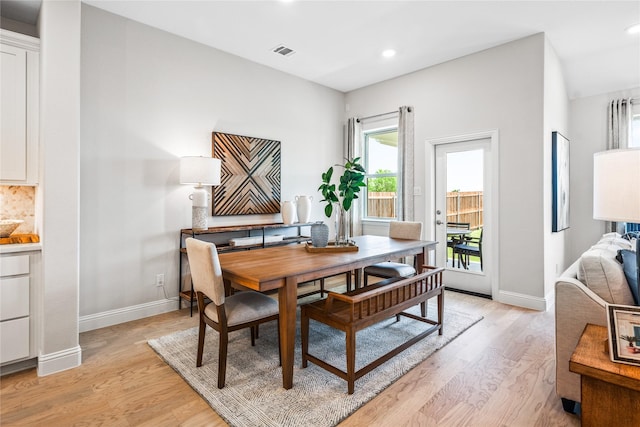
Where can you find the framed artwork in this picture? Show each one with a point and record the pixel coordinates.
(623, 323)
(560, 181)
(249, 176)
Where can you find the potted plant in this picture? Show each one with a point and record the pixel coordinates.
(351, 181)
(630, 338)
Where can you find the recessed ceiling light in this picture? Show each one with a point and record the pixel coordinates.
(634, 29)
(388, 53)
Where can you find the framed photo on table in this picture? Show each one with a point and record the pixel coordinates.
(623, 322)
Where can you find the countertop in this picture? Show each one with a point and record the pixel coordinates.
(20, 247)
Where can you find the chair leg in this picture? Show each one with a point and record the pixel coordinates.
(441, 312)
(304, 336)
(321, 287)
(365, 280)
(253, 336)
(423, 309)
(279, 349)
(201, 333)
(348, 279)
(222, 358)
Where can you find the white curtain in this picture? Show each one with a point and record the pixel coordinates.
(352, 149)
(618, 135)
(405, 166)
(618, 123)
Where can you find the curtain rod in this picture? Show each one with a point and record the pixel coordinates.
(378, 115)
(358, 119)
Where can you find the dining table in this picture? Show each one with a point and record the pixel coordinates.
(284, 267)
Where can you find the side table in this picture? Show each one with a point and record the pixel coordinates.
(610, 391)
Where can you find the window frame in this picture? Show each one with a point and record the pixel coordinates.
(635, 120)
(365, 139)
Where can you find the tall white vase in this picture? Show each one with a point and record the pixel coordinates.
(288, 212)
(303, 205)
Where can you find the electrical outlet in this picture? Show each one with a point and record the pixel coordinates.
(160, 280)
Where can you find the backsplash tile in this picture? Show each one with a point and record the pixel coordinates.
(19, 202)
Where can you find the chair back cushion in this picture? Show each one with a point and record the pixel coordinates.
(405, 230)
(206, 272)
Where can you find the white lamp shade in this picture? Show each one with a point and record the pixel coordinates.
(616, 185)
(199, 171)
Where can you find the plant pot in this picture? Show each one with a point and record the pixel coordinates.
(342, 227)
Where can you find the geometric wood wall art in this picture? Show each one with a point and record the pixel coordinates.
(249, 177)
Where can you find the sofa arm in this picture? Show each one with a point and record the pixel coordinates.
(575, 306)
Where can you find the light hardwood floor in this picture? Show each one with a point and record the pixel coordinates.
(500, 372)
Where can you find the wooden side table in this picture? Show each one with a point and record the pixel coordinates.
(610, 391)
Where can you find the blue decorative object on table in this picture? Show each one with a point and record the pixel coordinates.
(319, 234)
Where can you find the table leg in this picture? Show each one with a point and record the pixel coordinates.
(421, 259)
(287, 298)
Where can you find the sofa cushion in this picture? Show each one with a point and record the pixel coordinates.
(630, 267)
(602, 273)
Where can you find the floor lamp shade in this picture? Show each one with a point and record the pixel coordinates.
(199, 171)
(616, 185)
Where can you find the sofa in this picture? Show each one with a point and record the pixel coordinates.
(581, 292)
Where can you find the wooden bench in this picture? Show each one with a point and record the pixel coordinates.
(361, 308)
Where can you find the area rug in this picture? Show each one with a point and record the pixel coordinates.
(253, 394)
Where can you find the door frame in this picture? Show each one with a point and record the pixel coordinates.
(430, 202)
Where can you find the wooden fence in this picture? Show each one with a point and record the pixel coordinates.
(382, 204)
(465, 206)
(462, 206)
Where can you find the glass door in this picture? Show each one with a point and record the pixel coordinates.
(463, 191)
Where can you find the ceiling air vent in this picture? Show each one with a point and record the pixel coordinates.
(283, 50)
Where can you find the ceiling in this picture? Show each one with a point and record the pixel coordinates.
(339, 43)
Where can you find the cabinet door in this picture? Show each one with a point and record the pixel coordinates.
(13, 110)
(14, 339)
(14, 297)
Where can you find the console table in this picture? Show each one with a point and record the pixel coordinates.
(610, 391)
(220, 236)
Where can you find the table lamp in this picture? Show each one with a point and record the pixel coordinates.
(616, 187)
(199, 171)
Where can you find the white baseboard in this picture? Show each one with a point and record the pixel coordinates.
(523, 300)
(59, 361)
(127, 314)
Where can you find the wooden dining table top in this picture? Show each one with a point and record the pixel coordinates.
(265, 269)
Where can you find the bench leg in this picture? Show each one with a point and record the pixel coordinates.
(304, 336)
(351, 359)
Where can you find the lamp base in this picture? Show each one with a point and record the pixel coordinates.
(199, 218)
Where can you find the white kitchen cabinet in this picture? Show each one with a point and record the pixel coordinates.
(19, 111)
(19, 279)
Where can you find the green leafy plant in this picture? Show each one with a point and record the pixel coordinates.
(351, 181)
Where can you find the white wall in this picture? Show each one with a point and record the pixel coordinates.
(556, 118)
(499, 88)
(148, 98)
(588, 127)
(60, 145)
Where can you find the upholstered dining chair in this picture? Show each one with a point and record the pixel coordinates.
(397, 230)
(246, 309)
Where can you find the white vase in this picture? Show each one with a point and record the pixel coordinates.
(288, 210)
(303, 205)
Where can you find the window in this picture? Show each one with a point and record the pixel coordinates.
(635, 124)
(381, 163)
